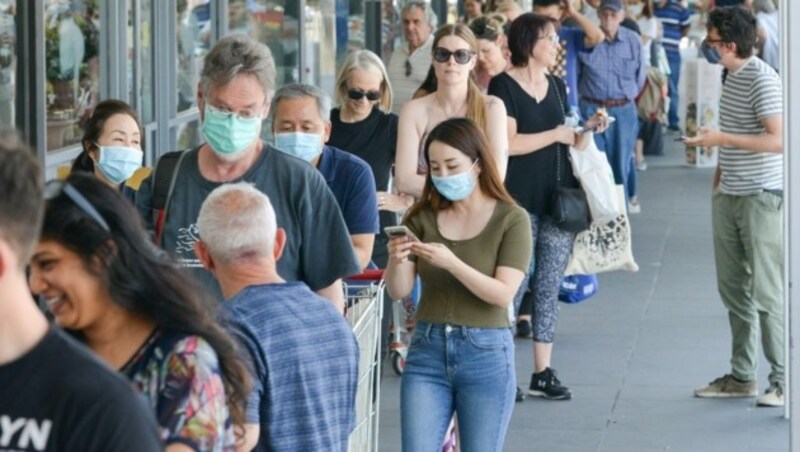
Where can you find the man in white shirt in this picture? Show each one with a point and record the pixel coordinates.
(410, 63)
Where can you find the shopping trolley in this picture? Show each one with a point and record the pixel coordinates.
(364, 293)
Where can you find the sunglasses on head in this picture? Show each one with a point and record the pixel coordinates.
(357, 94)
(55, 188)
(442, 55)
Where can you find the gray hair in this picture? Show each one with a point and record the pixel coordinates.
(366, 61)
(237, 223)
(299, 91)
(236, 55)
(430, 15)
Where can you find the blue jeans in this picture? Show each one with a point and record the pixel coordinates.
(674, 59)
(469, 371)
(618, 140)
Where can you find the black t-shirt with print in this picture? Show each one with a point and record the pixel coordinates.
(59, 397)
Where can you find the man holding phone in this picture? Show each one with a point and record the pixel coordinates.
(747, 205)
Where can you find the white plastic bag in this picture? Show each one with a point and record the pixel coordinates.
(592, 169)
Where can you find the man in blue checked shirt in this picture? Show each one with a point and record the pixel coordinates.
(612, 74)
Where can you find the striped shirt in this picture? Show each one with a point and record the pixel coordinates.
(674, 18)
(304, 360)
(749, 95)
(404, 86)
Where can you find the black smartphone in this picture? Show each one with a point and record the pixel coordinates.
(400, 231)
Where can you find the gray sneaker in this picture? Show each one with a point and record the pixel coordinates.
(727, 387)
(773, 396)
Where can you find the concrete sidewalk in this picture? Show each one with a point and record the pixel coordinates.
(634, 354)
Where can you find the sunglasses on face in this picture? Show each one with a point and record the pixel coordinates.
(408, 68)
(357, 94)
(442, 55)
(55, 188)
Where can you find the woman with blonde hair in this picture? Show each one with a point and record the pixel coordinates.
(364, 125)
(456, 95)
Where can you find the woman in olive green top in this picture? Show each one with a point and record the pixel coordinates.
(471, 251)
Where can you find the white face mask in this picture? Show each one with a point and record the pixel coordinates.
(635, 10)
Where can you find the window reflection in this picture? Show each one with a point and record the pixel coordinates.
(194, 41)
(72, 67)
(7, 61)
(140, 51)
(275, 23)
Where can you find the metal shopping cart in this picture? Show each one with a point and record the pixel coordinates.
(364, 295)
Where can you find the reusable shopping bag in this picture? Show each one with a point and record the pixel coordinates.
(605, 246)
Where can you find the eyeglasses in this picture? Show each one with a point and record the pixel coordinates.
(552, 38)
(408, 68)
(358, 94)
(442, 55)
(715, 41)
(54, 188)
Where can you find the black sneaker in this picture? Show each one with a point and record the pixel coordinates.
(546, 385)
(520, 395)
(524, 328)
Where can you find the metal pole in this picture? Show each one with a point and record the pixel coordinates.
(790, 72)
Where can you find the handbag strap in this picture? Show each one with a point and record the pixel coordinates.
(563, 121)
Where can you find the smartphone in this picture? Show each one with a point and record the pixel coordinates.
(681, 138)
(584, 129)
(400, 231)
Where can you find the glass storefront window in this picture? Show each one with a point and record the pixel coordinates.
(7, 61)
(194, 42)
(276, 24)
(72, 65)
(140, 57)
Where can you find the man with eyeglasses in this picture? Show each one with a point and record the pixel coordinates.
(410, 63)
(747, 205)
(234, 93)
(301, 125)
(611, 76)
(54, 394)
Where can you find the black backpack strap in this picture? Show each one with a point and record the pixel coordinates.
(164, 177)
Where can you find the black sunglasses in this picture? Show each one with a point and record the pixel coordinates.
(408, 68)
(442, 55)
(357, 94)
(54, 188)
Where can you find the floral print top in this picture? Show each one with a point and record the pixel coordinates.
(180, 376)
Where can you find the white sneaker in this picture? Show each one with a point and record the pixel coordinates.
(634, 207)
(641, 166)
(773, 396)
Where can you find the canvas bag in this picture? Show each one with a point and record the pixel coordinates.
(605, 246)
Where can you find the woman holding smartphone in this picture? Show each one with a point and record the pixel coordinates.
(539, 143)
(472, 252)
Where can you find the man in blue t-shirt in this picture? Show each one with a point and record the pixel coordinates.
(572, 39)
(301, 125)
(304, 379)
(675, 21)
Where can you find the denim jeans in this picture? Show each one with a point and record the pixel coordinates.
(463, 370)
(618, 140)
(674, 60)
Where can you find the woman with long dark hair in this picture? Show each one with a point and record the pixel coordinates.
(471, 247)
(104, 281)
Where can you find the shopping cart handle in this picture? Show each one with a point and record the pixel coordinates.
(367, 275)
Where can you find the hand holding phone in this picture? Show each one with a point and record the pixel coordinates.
(591, 128)
(400, 231)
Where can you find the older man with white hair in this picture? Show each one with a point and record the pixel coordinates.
(410, 62)
(304, 380)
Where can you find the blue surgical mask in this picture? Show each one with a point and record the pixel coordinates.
(306, 146)
(229, 134)
(118, 163)
(635, 10)
(456, 187)
(711, 53)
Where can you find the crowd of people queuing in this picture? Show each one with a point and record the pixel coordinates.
(203, 309)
